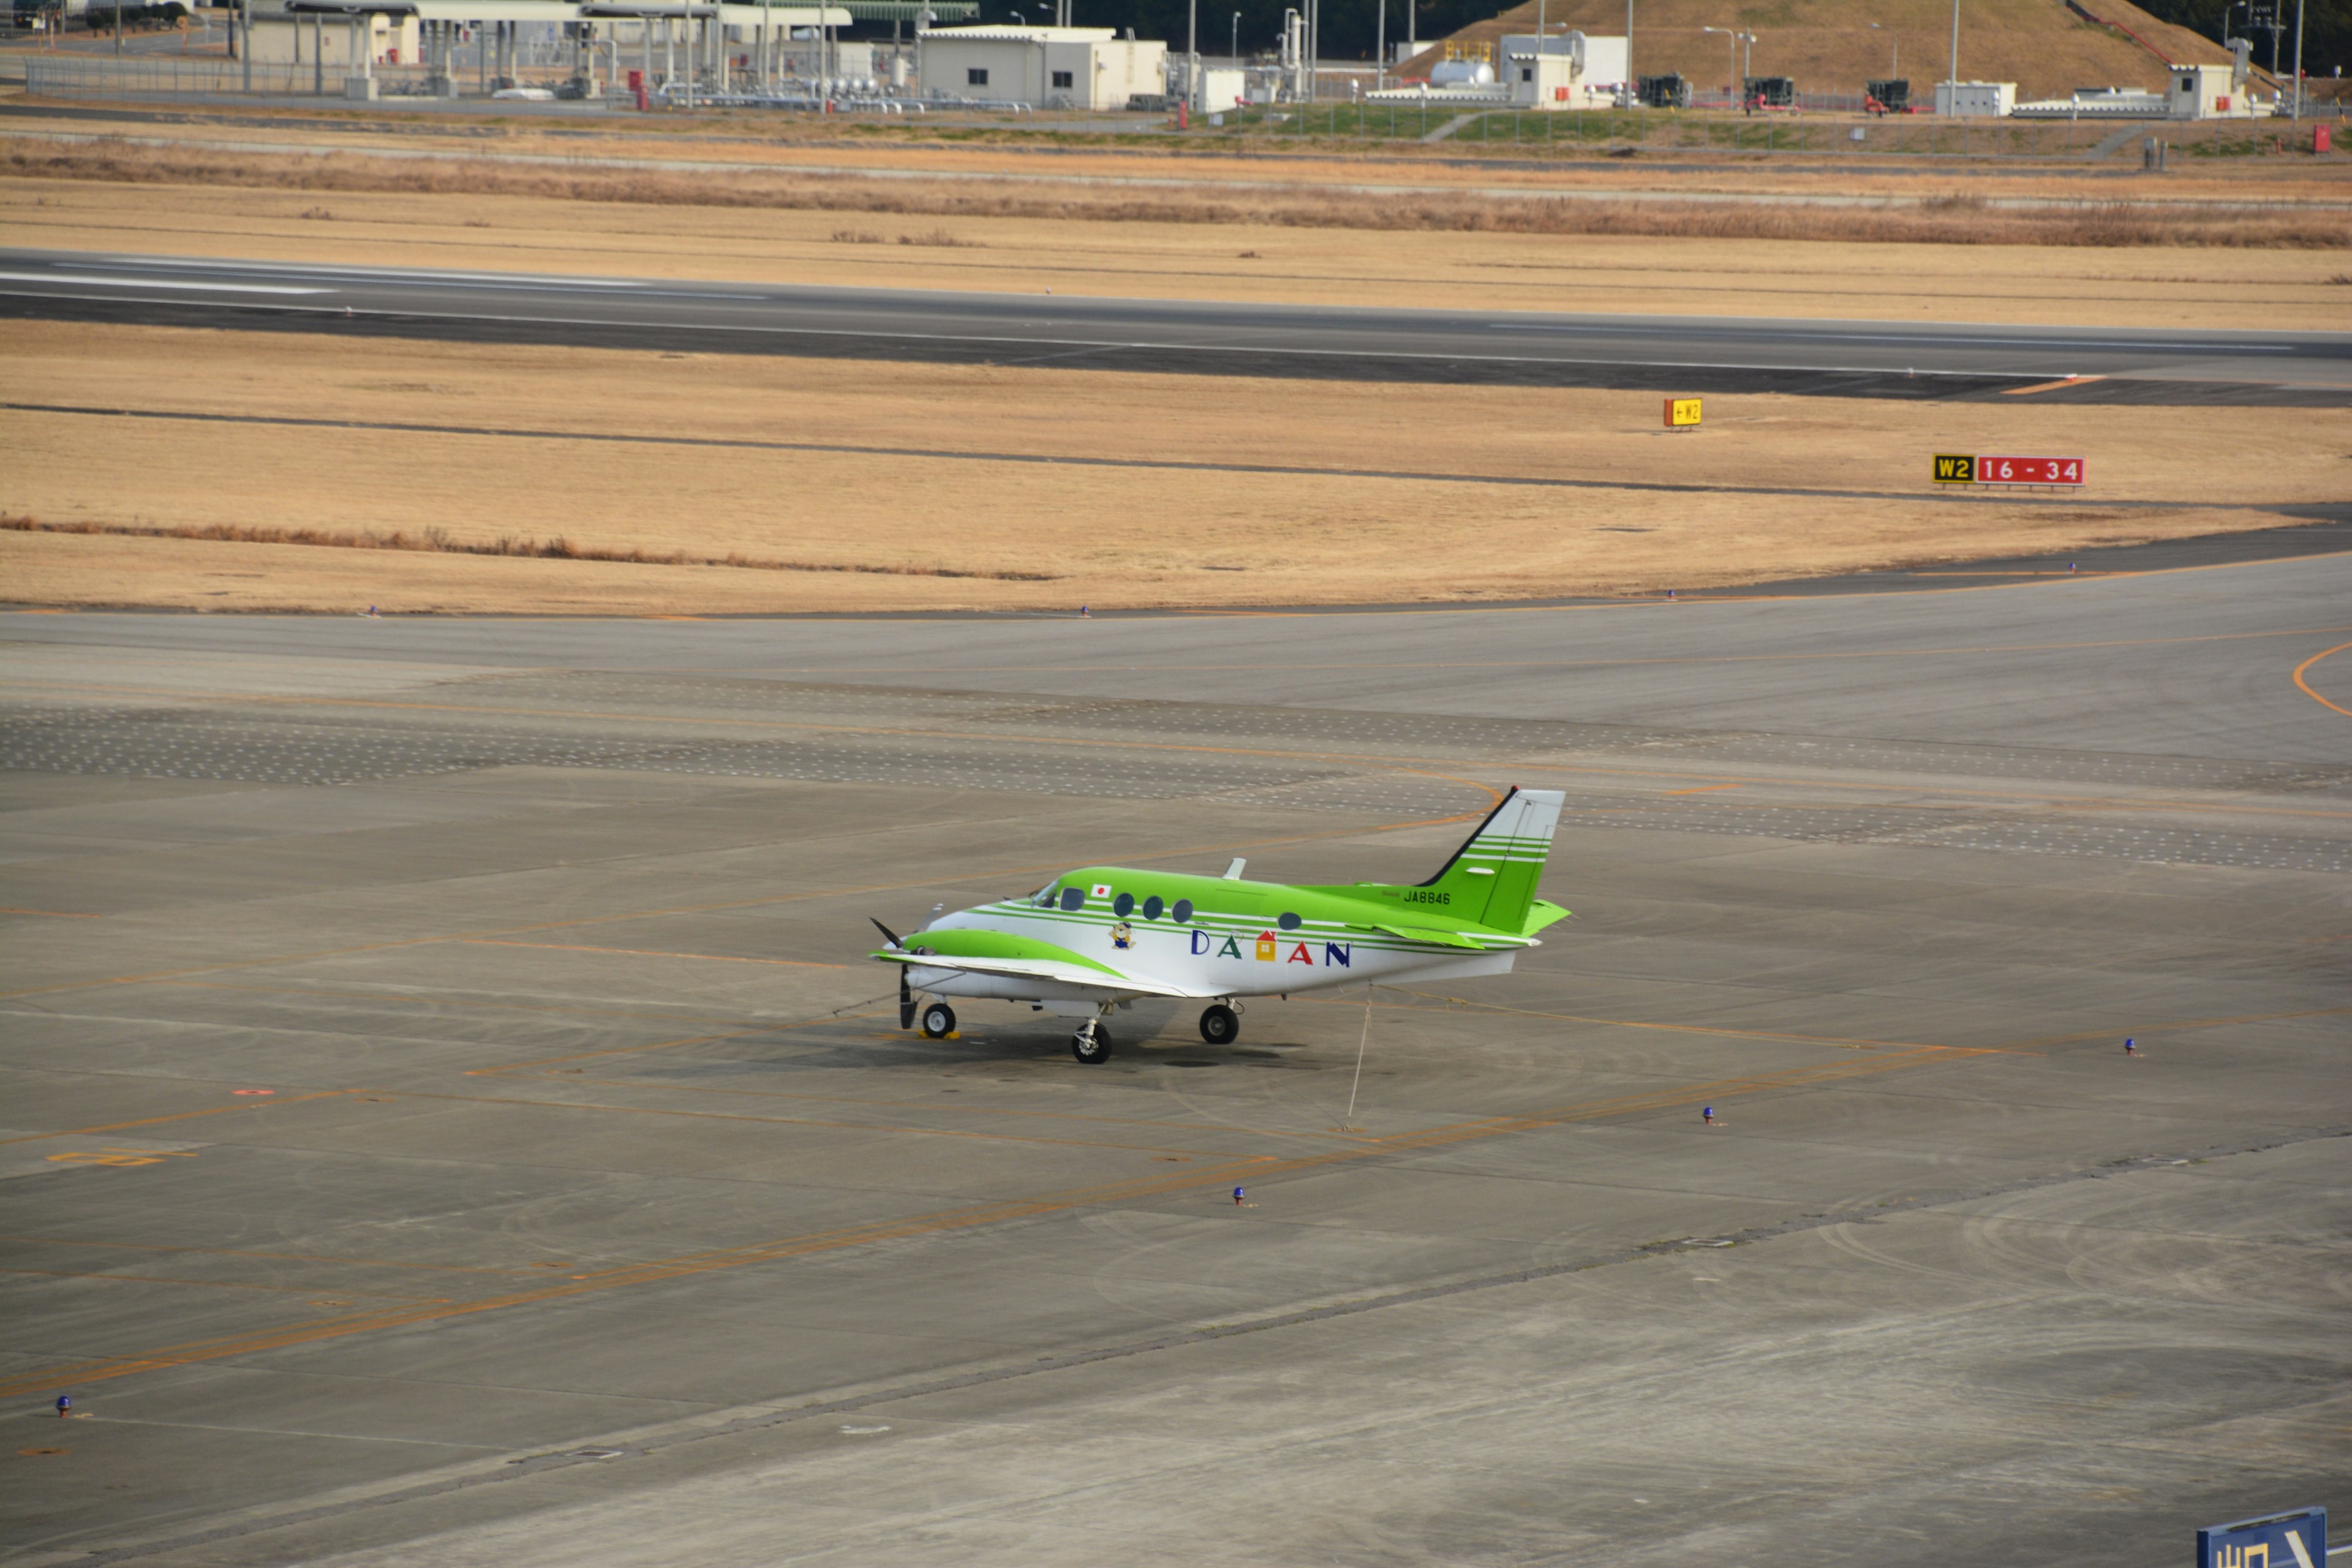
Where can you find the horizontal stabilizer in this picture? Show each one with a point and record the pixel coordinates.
(1541, 914)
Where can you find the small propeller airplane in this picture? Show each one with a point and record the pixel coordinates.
(1097, 938)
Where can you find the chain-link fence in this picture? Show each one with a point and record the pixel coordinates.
(67, 77)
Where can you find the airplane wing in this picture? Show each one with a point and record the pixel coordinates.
(1092, 976)
(1440, 936)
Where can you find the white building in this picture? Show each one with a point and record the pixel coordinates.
(1220, 88)
(1052, 68)
(281, 39)
(1988, 99)
(2207, 93)
(1562, 71)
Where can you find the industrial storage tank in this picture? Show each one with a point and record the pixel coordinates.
(1462, 73)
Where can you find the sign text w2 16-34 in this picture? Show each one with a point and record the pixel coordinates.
(1961, 468)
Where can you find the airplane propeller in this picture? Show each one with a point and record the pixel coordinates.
(906, 991)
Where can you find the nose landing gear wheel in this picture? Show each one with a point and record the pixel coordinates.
(938, 1021)
(1218, 1024)
(1091, 1044)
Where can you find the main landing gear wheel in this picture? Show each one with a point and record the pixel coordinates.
(1218, 1024)
(938, 1021)
(1091, 1044)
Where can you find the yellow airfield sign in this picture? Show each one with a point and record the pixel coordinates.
(1682, 413)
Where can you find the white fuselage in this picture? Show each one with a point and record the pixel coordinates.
(1213, 955)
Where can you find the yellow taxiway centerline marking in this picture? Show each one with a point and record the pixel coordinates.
(2301, 669)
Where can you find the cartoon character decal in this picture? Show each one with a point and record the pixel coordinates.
(1122, 935)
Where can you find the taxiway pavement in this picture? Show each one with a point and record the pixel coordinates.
(450, 1118)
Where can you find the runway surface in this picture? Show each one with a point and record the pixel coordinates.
(596, 1209)
(1673, 353)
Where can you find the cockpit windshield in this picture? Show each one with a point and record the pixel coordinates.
(1044, 896)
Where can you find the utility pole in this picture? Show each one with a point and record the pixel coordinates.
(1192, 55)
(1381, 48)
(2298, 62)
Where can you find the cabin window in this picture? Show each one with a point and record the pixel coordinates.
(1153, 909)
(1074, 898)
(1182, 912)
(975, 76)
(1123, 905)
(1288, 920)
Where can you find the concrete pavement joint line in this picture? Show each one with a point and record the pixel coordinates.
(540, 1463)
(176, 1115)
(2301, 669)
(874, 1232)
(226, 966)
(582, 161)
(908, 1128)
(1052, 459)
(643, 953)
(1374, 760)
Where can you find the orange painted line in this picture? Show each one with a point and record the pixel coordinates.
(391, 998)
(2180, 1026)
(1025, 1113)
(837, 1126)
(1838, 1040)
(630, 1050)
(210, 1284)
(943, 1222)
(2305, 686)
(175, 1116)
(645, 952)
(53, 914)
(1703, 789)
(268, 1257)
(2050, 385)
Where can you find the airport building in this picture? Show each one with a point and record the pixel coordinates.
(1048, 68)
(1977, 99)
(1562, 71)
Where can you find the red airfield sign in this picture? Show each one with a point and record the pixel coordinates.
(2029, 470)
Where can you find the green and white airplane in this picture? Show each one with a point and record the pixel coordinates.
(1100, 937)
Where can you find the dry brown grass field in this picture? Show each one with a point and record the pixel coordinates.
(2154, 287)
(1191, 491)
(874, 530)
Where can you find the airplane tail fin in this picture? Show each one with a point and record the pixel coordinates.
(1492, 878)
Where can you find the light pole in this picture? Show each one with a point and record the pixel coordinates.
(1954, 86)
(1730, 55)
(1238, 37)
(1380, 50)
(1894, 66)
